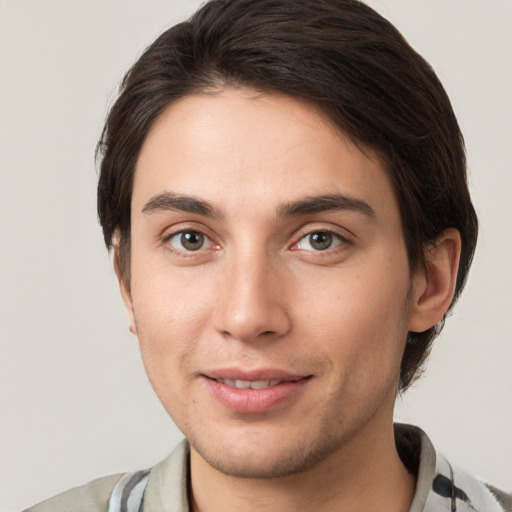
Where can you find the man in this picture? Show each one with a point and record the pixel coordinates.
(283, 187)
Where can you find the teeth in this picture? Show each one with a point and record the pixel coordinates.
(260, 384)
(249, 384)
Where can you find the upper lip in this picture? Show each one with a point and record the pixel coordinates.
(253, 375)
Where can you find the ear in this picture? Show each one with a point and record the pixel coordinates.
(124, 287)
(434, 285)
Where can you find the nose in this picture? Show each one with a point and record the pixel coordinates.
(252, 301)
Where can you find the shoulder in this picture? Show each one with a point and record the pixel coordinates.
(92, 497)
(165, 483)
(456, 489)
(441, 485)
(469, 491)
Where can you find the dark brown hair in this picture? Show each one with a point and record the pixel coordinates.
(340, 55)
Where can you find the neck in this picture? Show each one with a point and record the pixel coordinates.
(365, 474)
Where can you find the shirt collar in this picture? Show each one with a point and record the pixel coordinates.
(440, 487)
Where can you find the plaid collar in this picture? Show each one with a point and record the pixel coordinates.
(440, 486)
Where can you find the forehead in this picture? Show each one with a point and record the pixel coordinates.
(236, 146)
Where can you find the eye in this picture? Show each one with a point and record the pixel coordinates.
(189, 241)
(319, 241)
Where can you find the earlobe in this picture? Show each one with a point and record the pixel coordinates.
(124, 288)
(434, 285)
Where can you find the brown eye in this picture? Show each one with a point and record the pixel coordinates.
(186, 241)
(192, 241)
(320, 240)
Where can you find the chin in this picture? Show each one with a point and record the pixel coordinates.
(272, 459)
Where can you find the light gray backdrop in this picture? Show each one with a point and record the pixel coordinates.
(75, 403)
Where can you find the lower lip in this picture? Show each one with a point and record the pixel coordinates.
(254, 401)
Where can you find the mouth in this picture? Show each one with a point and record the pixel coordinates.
(254, 392)
(252, 384)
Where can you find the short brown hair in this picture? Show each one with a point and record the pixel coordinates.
(338, 54)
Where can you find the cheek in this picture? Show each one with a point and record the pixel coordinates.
(169, 320)
(171, 311)
(359, 317)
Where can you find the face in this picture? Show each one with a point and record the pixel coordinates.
(269, 282)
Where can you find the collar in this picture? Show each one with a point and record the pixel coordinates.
(440, 486)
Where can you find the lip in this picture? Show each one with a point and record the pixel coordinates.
(259, 374)
(254, 401)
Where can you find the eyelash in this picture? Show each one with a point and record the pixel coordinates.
(186, 252)
(339, 240)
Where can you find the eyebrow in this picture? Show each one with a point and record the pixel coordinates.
(310, 205)
(325, 203)
(176, 202)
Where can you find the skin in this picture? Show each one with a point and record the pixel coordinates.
(259, 294)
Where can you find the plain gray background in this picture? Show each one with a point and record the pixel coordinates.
(75, 403)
